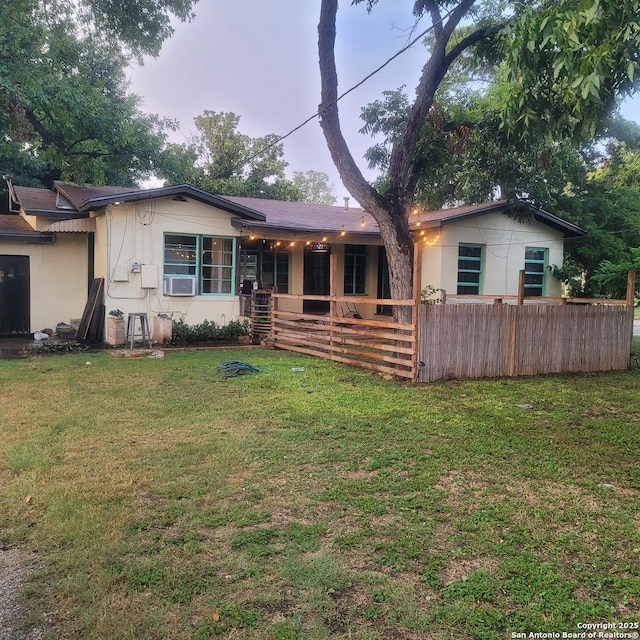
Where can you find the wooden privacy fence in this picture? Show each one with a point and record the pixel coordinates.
(489, 341)
(463, 340)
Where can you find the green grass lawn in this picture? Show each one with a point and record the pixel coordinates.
(166, 502)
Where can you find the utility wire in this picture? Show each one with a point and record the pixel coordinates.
(347, 92)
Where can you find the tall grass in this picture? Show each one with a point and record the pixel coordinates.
(168, 502)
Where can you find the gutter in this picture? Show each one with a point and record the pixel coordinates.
(29, 238)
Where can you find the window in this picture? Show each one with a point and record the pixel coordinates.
(270, 268)
(210, 259)
(535, 268)
(275, 270)
(469, 269)
(355, 269)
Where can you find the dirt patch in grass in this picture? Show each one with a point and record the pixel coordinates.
(16, 616)
(459, 569)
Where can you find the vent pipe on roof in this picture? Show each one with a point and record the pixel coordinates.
(346, 203)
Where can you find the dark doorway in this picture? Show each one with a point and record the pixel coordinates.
(316, 277)
(14, 295)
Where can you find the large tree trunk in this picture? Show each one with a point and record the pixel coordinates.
(391, 210)
(391, 215)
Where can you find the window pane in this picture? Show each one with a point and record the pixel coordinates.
(217, 265)
(535, 266)
(355, 269)
(472, 265)
(534, 254)
(180, 255)
(469, 269)
(472, 251)
(282, 271)
(467, 290)
(469, 277)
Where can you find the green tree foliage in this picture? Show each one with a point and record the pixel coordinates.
(222, 160)
(568, 62)
(314, 187)
(611, 217)
(560, 65)
(464, 155)
(66, 110)
(612, 276)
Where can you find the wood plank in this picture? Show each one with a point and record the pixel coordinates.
(94, 300)
(378, 368)
(364, 356)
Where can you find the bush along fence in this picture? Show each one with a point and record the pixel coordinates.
(514, 336)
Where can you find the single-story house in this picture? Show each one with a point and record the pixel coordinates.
(180, 251)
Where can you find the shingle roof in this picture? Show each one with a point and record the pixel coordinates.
(445, 216)
(258, 213)
(455, 213)
(302, 216)
(78, 195)
(15, 227)
(34, 199)
(11, 223)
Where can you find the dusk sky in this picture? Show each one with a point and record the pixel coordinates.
(259, 60)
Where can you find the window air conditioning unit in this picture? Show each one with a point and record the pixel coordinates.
(180, 285)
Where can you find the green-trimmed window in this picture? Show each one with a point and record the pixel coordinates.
(210, 259)
(470, 269)
(355, 269)
(535, 271)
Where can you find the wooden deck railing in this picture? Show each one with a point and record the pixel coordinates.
(379, 345)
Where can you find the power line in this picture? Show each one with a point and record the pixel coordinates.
(348, 91)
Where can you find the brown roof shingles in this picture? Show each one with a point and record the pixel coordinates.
(302, 216)
(13, 224)
(34, 199)
(79, 194)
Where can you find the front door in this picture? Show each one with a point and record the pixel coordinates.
(316, 277)
(14, 295)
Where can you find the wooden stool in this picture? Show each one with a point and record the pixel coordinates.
(144, 329)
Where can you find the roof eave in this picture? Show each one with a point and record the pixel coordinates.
(569, 229)
(65, 214)
(173, 190)
(275, 229)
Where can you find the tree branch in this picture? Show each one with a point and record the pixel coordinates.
(470, 40)
(434, 10)
(329, 116)
(403, 172)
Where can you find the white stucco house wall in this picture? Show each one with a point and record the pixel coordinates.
(188, 254)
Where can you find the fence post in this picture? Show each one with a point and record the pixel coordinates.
(631, 290)
(631, 287)
(415, 316)
(333, 305)
(274, 313)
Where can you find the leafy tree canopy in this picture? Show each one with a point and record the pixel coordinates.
(556, 67)
(222, 160)
(64, 102)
